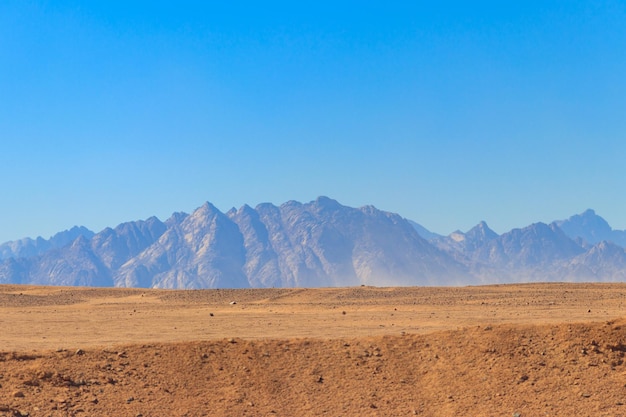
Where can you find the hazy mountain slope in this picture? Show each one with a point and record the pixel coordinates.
(591, 228)
(528, 254)
(72, 265)
(605, 261)
(465, 244)
(204, 251)
(262, 265)
(27, 247)
(116, 246)
(424, 232)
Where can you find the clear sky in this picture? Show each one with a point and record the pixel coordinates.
(446, 112)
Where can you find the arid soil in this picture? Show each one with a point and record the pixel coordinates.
(511, 350)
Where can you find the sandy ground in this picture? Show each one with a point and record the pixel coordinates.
(511, 350)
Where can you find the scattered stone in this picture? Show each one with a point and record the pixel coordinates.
(18, 394)
(211, 314)
(517, 414)
(80, 352)
(231, 340)
(233, 303)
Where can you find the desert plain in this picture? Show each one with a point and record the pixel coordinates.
(504, 350)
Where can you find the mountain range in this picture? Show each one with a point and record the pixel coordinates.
(315, 244)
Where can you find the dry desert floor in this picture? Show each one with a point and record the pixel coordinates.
(506, 350)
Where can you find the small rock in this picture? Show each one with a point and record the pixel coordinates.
(80, 352)
(211, 314)
(231, 340)
(517, 414)
(233, 303)
(18, 394)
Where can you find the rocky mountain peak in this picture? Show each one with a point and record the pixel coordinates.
(176, 218)
(481, 232)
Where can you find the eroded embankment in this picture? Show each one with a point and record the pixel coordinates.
(565, 369)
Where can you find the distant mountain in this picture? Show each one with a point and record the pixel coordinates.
(203, 250)
(114, 247)
(605, 261)
(466, 243)
(527, 254)
(320, 243)
(591, 228)
(424, 232)
(533, 246)
(26, 248)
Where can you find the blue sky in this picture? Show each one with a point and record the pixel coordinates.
(446, 112)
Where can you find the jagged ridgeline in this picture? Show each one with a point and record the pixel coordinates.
(321, 243)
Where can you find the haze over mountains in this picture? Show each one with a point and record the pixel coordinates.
(320, 243)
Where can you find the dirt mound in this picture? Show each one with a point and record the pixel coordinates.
(569, 369)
